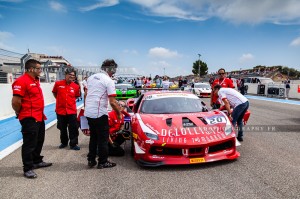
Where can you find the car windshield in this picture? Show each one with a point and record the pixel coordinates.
(173, 105)
(123, 86)
(202, 86)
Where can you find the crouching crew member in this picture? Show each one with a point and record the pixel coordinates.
(116, 134)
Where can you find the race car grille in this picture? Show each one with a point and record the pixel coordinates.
(196, 151)
(221, 147)
(165, 151)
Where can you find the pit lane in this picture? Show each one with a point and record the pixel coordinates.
(268, 167)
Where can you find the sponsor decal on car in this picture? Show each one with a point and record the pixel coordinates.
(149, 142)
(135, 136)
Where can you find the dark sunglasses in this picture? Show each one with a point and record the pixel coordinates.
(221, 73)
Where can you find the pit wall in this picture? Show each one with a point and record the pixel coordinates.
(6, 96)
(293, 94)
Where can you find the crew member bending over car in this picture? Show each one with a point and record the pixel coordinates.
(116, 134)
(238, 102)
(224, 82)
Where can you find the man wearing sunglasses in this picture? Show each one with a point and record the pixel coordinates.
(28, 104)
(224, 83)
(66, 92)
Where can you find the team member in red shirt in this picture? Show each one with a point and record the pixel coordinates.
(115, 126)
(66, 91)
(224, 82)
(28, 103)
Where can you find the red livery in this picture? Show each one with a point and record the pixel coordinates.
(175, 127)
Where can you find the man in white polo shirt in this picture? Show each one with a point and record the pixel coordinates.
(100, 90)
(238, 102)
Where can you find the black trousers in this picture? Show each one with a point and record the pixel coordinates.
(67, 123)
(99, 133)
(117, 151)
(33, 140)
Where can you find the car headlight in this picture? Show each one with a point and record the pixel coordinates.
(228, 129)
(151, 136)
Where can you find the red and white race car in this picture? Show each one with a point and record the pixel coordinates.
(173, 128)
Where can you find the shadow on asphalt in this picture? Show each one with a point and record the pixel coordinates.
(11, 172)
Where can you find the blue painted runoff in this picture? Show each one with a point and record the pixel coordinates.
(285, 101)
(10, 128)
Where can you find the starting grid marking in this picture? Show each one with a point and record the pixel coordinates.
(284, 101)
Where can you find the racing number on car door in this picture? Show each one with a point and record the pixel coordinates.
(127, 126)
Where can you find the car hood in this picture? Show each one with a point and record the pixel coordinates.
(206, 126)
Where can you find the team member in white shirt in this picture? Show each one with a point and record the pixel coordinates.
(237, 101)
(100, 90)
(165, 83)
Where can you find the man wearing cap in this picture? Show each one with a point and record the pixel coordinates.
(100, 91)
(224, 82)
(28, 104)
(66, 91)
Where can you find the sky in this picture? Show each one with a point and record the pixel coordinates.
(150, 37)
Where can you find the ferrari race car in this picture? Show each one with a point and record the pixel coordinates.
(123, 93)
(175, 127)
(202, 89)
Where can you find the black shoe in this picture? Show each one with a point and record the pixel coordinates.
(92, 163)
(62, 146)
(30, 174)
(41, 165)
(107, 164)
(75, 148)
(239, 138)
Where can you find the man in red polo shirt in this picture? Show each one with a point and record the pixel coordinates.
(66, 91)
(28, 104)
(224, 82)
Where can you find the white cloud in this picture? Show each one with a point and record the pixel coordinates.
(57, 6)
(100, 4)
(4, 36)
(295, 42)
(133, 52)
(246, 58)
(160, 52)
(235, 11)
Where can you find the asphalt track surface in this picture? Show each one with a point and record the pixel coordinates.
(269, 167)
